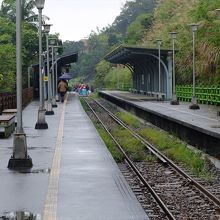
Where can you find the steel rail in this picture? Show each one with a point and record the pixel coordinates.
(135, 169)
(168, 161)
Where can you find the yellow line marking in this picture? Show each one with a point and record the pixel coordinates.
(50, 206)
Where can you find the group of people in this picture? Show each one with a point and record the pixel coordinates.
(82, 89)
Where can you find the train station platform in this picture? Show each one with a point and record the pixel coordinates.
(73, 175)
(200, 128)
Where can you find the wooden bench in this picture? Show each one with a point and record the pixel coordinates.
(11, 111)
(7, 125)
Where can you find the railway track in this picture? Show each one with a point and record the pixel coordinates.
(174, 194)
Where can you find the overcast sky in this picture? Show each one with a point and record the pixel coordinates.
(75, 19)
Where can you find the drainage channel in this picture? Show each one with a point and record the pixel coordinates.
(47, 170)
(20, 215)
(33, 171)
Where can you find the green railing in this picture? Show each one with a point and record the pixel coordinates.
(119, 86)
(124, 86)
(204, 94)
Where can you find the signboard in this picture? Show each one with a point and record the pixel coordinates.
(45, 78)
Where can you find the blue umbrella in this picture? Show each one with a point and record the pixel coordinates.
(66, 76)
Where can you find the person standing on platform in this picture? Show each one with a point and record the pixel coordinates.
(62, 89)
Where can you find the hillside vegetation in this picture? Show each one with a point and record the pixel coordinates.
(140, 23)
(176, 15)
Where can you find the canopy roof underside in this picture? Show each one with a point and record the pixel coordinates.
(127, 54)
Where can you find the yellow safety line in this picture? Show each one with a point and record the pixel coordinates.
(50, 206)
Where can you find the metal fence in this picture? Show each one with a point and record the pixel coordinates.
(8, 100)
(124, 86)
(204, 94)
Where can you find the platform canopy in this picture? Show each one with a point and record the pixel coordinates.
(144, 64)
(67, 59)
(124, 54)
(62, 61)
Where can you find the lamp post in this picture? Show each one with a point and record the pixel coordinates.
(159, 43)
(52, 43)
(41, 121)
(19, 158)
(44, 55)
(194, 105)
(46, 85)
(56, 81)
(218, 13)
(49, 110)
(174, 100)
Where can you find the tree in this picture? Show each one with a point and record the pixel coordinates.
(136, 29)
(101, 71)
(112, 39)
(129, 13)
(7, 31)
(8, 67)
(8, 51)
(8, 9)
(29, 44)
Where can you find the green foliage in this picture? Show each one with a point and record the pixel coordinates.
(29, 43)
(7, 83)
(7, 57)
(115, 152)
(94, 95)
(131, 145)
(70, 46)
(129, 119)
(136, 29)
(130, 11)
(158, 138)
(113, 39)
(8, 43)
(176, 15)
(101, 70)
(204, 10)
(7, 31)
(151, 158)
(117, 78)
(176, 150)
(7, 63)
(90, 51)
(8, 9)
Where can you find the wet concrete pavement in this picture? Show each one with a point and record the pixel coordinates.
(73, 174)
(26, 191)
